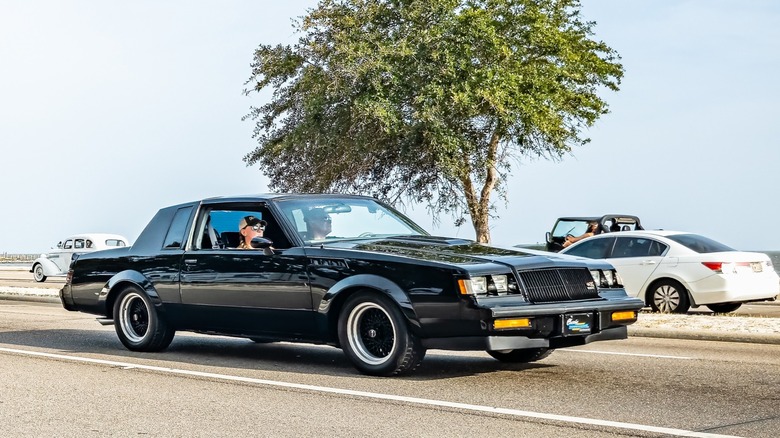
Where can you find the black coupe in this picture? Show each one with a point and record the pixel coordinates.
(348, 271)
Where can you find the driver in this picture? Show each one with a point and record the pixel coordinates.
(318, 224)
(250, 227)
(593, 229)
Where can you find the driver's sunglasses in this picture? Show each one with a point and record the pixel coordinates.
(257, 227)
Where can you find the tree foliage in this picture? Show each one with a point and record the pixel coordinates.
(427, 101)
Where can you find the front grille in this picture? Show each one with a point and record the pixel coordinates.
(550, 285)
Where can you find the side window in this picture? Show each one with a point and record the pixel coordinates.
(657, 248)
(592, 248)
(89, 243)
(176, 233)
(78, 244)
(68, 244)
(218, 226)
(637, 247)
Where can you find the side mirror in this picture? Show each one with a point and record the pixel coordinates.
(548, 237)
(261, 243)
(59, 244)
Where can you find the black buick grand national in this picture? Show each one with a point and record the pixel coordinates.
(369, 281)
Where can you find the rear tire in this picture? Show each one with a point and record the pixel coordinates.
(375, 336)
(38, 274)
(724, 307)
(138, 324)
(521, 356)
(668, 296)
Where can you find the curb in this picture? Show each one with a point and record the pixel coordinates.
(42, 298)
(750, 338)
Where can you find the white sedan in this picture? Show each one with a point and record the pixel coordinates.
(673, 270)
(57, 261)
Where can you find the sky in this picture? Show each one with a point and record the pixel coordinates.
(112, 110)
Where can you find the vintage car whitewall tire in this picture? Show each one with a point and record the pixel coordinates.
(38, 273)
(374, 335)
(138, 324)
(521, 356)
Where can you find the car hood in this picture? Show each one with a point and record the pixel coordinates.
(457, 252)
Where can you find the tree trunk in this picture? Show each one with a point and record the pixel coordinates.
(479, 208)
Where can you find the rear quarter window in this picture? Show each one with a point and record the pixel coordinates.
(700, 244)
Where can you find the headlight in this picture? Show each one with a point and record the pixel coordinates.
(479, 285)
(488, 285)
(606, 278)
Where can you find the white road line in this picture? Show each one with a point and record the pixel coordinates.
(375, 395)
(660, 356)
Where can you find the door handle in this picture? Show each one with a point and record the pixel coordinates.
(190, 261)
(648, 262)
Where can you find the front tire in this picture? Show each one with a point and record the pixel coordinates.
(724, 307)
(668, 296)
(375, 337)
(38, 274)
(138, 324)
(521, 356)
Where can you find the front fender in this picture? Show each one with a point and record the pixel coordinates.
(336, 293)
(128, 278)
(50, 269)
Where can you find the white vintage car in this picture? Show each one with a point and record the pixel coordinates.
(56, 262)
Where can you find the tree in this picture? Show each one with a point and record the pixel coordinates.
(427, 101)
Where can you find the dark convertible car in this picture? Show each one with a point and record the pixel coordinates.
(370, 281)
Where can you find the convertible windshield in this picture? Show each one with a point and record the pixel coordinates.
(325, 219)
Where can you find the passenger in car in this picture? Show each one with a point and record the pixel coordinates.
(593, 229)
(318, 224)
(250, 227)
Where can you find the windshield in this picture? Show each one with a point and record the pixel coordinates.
(573, 227)
(329, 219)
(699, 244)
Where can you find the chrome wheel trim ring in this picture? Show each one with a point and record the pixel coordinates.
(131, 309)
(355, 324)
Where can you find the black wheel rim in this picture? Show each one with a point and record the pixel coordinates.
(134, 317)
(376, 333)
(371, 333)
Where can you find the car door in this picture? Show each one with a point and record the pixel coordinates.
(62, 256)
(636, 258)
(245, 291)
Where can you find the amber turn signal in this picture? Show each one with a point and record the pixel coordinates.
(511, 323)
(622, 316)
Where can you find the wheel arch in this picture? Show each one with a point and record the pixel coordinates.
(50, 269)
(333, 300)
(120, 281)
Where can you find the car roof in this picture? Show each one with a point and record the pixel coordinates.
(661, 233)
(598, 218)
(279, 196)
(97, 236)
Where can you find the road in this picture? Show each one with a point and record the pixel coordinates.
(65, 375)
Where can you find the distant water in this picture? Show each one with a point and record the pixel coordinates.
(775, 256)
